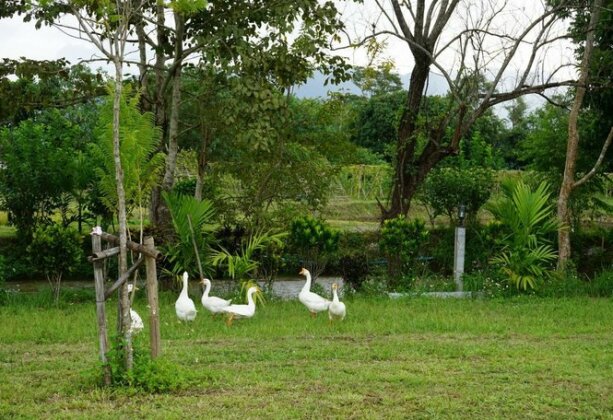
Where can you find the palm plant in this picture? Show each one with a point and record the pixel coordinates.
(244, 265)
(528, 216)
(192, 222)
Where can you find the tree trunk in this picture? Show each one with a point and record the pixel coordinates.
(160, 104)
(125, 320)
(404, 185)
(161, 212)
(202, 162)
(572, 147)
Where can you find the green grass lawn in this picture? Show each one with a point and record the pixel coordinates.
(419, 358)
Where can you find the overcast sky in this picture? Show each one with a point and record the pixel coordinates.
(22, 40)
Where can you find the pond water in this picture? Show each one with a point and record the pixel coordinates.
(282, 287)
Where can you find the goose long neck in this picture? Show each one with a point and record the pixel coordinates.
(334, 296)
(184, 290)
(307, 285)
(250, 298)
(207, 289)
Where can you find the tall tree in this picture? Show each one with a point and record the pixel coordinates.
(475, 49)
(572, 147)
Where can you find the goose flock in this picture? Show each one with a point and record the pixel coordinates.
(186, 309)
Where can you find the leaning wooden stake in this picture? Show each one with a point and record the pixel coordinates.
(191, 228)
(152, 297)
(100, 310)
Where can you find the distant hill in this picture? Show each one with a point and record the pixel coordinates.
(314, 87)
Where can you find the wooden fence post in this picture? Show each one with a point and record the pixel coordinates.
(100, 310)
(152, 298)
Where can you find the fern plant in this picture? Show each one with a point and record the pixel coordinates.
(181, 253)
(527, 214)
(141, 163)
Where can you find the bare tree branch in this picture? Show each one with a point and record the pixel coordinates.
(599, 161)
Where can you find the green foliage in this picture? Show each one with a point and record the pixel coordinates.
(183, 210)
(243, 266)
(140, 161)
(314, 241)
(364, 182)
(377, 80)
(356, 252)
(446, 188)
(54, 252)
(375, 286)
(401, 241)
(147, 375)
(542, 153)
(44, 166)
(490, 283)
(2, 270)
(602, 284)
(376, 122)
(527, 216)
(29, 86)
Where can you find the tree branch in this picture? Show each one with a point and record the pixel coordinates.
(594, 169)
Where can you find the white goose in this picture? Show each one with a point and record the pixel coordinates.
(136, 325)
(241, 311)
(336, 310)
(212, 303)
(312, 301)
(184, 306)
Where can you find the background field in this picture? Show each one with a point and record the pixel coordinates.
(523, 357)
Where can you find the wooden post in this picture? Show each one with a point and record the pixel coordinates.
(152, 297)
(100, 311)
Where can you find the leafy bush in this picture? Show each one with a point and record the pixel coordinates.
(314, 241)
(448, 187)
(374, 286)
(357, 251)
(54, 252)
(527, 217)
(154, 376)
(401, 241)
(490, 283)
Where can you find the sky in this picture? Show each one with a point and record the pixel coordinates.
(21, 39)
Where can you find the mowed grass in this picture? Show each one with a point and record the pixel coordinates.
(411, 358)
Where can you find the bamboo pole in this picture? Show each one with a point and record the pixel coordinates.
(121, 280)
(133, 246)
(152, 297)
(101, 255)
(100, 310)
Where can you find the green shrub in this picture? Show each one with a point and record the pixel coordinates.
(374, 286)
(315, 241)
(401, 241)
(448, 187)
(488, 282)
(54, 252)
(357, 252)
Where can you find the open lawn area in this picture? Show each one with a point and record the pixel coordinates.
(424, 358)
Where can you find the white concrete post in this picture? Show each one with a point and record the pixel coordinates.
(458, 259)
